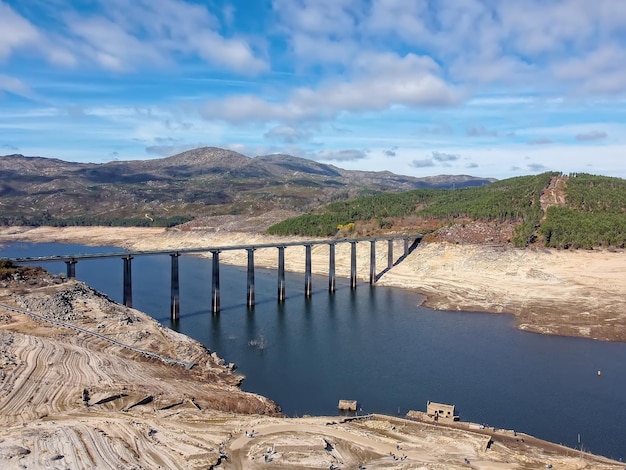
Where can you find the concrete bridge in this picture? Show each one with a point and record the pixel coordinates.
(410, 242)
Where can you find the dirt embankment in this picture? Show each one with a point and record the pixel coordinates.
(574, 293)
(577, 293)
(86, 382)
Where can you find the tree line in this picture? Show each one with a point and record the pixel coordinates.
(594, 213)
(45, 218)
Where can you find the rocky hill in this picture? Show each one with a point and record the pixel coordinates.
(203, 182)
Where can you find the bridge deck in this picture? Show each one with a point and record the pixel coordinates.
(211, 248)
(72, 259)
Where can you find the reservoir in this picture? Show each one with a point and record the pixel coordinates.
(378, 346)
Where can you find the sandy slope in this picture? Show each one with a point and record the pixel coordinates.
(577, 293)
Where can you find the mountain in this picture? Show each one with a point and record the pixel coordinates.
(200, 182)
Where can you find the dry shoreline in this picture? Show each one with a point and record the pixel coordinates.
(573, 293)
(74, 399)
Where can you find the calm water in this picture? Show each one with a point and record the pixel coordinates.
(377, 346)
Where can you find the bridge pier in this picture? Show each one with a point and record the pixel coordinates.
(410, 242)
(281, 273)
(250, 291)
(308, 287)
(127, 297)
(215, 282)
(372, 261)
(331, 267)
(353, 265)
(175, 288)
(71, 268)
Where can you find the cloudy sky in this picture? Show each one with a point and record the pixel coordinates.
(493, 88)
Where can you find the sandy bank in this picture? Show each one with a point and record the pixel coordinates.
(575, 293)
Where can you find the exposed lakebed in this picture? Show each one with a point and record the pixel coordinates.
(376, 345)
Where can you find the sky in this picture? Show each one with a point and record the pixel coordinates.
(491, 88)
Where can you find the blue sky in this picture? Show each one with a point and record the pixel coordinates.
(494, 88)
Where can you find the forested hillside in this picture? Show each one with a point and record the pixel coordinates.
(594, 214)
(590, 213)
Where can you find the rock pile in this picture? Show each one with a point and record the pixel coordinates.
(60, 305)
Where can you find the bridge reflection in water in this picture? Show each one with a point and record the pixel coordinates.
(410, 242)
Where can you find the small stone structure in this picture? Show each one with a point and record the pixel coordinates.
(347, 405)
(439, 411)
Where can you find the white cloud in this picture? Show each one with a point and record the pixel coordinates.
(124, 36)
(15, 31)
(593, 135)
(379, 93)
(445, 157)
(234, 54)
(529, 44)
(479, 130)
(600, 70)
(405, 19)
(580, 131)
(436, 159)
(319, 32)
(382, 81)
(318, 17)
(14, 85)
(311, 50)
(437, 129)
(392, 152)
(569, 158)
(287, 134)
(340, 155)
(424, 163)
(110, 45)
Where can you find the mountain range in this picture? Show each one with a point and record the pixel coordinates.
(207, 181)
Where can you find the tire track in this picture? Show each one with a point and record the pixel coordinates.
(165, 359)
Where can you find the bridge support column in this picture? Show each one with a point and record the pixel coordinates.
(215, 283)
(331, 267)
(389, 254)
(353, 265)
(281, 273)
(175, 289)
(372, 261)
(308, 286)
(127, 297)
(71, 268)
(250, 292)
(406, 247)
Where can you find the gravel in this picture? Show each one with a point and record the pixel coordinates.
(60, 305)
